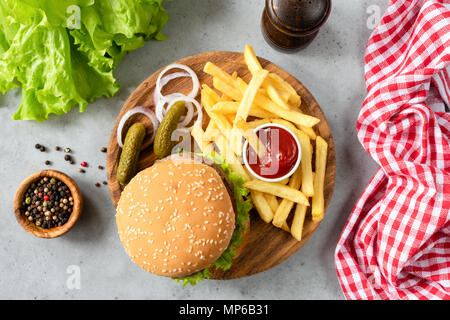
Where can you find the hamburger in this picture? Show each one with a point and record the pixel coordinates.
(184, 217)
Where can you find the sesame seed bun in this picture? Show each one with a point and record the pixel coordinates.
(176, 218)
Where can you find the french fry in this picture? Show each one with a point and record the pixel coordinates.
(206, 147)
(298, 221)
(309, 131)
(228, 88)
(231, 107)
(285, 227)
(215, 71)
(262, 206)
(251, 60)
(285, 123)
(254, 66)
(213, 97)
(210, 132)
(251, 137)
(284, 181)
(226, 107)
(272, 201)
(306, 165)
(286, 205)
(224, 97)
(293, 116)
(230, 117)
(317, 208)
(208, 100)
(250, 94)
(281, 84)
(256, 123)
(278, 189)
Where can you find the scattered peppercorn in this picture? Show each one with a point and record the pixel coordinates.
(57, 148)
(37, 146)
(101, 167)
(84, 164)
(42, 148)
(97, 184)
(48, 213)
(104, 149)
(67, 157)
(67, 150)
(81, 170)
(72, 162)
(105, 183)
(48, 163)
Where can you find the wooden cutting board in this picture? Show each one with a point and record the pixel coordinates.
(267, 246)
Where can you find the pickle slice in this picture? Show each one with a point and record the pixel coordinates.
(129, 157)
(163, 143)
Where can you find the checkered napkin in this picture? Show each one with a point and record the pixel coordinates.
(396, 243)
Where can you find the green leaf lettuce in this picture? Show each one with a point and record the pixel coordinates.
(63, 53)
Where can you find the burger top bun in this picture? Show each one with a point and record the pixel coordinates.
(175, 218)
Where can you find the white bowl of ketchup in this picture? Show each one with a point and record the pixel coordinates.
(282, 157)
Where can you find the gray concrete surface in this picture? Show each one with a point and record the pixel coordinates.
(332, 69)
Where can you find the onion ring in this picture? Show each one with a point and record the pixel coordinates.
(192, 74)
(166, 80)
(142, 110)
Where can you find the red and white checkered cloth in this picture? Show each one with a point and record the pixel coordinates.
(396, 243)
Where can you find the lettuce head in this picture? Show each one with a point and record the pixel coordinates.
(63, 53)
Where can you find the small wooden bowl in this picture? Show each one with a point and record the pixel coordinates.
(55, 232)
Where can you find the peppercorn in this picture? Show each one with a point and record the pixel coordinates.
(84, 164)
(67, 157)
(47, 162)
(81, 170)
(97, 184)
(104, 149)
(42, 148)
(37, 146)
(101, 167)
(67, 150)
(41, 203)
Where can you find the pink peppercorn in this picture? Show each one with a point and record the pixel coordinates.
(84, 164)
(46, 198)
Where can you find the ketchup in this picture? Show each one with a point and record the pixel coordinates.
(281, 153)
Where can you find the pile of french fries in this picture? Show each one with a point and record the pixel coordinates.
(267, 98)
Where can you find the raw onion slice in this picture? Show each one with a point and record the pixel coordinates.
(192, 74)
(142, 110)
(160, 110)
(166, 80)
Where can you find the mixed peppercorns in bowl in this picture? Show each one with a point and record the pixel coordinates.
(48, 204)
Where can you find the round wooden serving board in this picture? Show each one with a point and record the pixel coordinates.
(267, 245)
